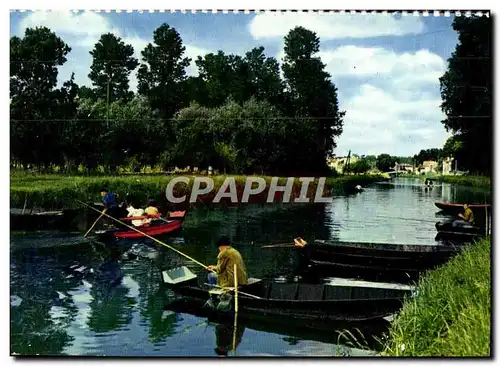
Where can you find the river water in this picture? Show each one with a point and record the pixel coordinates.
(56, 312)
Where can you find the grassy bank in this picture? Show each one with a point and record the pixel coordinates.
(60, 191)
(451, 315)
(468, 180)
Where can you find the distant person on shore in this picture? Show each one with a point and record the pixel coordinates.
(109, 199)
(467, 217)
(224, 270)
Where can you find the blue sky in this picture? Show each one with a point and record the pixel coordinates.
(386, 67)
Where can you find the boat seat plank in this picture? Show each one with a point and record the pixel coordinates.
(284, 291)
(310, 292)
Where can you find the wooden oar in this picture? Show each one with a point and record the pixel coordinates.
(148, 236)
(282, 245)
(95, 222)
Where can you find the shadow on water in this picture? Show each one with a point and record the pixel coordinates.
(59, 307)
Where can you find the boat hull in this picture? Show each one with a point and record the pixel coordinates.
(317, 269)
(153, 230)
(321, 331)
(308, 302)
(56, 220)
(381, 255)
(456, 208)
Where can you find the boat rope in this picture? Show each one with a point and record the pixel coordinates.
(146, 235)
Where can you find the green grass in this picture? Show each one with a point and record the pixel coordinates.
(60, 191)
(451, 314)
(468, 180)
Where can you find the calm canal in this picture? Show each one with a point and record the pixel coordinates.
(54, 312)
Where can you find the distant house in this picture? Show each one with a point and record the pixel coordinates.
(338, 162)
(403, 168)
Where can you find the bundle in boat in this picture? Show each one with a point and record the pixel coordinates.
(158, 226)
(316, 302)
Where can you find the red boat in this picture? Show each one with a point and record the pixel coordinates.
(157, 227)
(456, 208)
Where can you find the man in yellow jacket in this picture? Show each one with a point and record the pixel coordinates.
(223, 272)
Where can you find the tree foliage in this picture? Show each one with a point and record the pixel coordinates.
(112, 64)
(162, 75)
(385, 162)
(466, 93)
(238, 115)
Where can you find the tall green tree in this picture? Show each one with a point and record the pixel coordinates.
(263, 77)
(221, 76)
(112, 63)
(466, 93)
(162, 74)
(311, 93)
(35, 101)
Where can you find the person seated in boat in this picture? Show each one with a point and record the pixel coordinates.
(467, 217)
(151, 209)
(133, 212)
(222, 274)
(109, 199)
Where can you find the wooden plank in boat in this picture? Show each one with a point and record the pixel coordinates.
(337, 281)
(218, 291)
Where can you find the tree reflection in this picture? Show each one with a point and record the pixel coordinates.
(41, 289)
(111, 308)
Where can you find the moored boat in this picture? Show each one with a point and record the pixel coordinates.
(292, 300)
(366, 334)
(456, 208)
(372, 261)
(459, 231)
(158, 226)
(318, 268)
(26, 219)
(378, 254)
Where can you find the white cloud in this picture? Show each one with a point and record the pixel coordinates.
(85, 23)
(396, 106)
(379, 120)
(404, 69)
(334, 25)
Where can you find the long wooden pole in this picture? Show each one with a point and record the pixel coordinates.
(235, 307)
(148, 236)
(95, 222)
(235, 289)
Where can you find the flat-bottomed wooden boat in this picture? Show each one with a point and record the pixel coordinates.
(295, 300)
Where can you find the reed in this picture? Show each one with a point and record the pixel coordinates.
(451, 314)
(53, 191)
(468, 180)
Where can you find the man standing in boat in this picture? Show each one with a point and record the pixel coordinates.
(110, 202)
(223, 272)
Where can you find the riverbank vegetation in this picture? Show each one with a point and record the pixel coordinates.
(51, 191)
(451, 314)
(468, 180)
